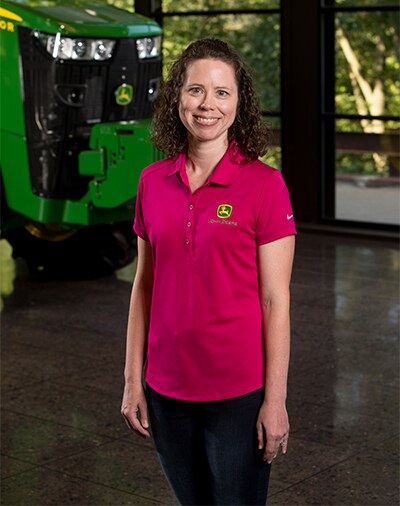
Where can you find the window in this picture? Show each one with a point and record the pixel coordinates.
(361, 104)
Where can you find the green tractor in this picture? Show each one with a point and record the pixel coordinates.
(78, 80)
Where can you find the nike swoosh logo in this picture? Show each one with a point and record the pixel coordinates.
(289, 217)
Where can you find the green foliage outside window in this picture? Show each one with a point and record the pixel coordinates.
(365, 3)
(126, 5)
(368, 83)
(202, 5)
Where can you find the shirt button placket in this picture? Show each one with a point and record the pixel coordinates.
(189, 229)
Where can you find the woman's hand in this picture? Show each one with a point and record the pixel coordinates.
(272, 429)
(134, 410)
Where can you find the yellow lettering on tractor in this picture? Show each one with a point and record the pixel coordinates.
(6, 25)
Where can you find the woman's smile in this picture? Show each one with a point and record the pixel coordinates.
(205, 120)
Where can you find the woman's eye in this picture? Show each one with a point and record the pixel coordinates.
(223, 93)
(195, 90)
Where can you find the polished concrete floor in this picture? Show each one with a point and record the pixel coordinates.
(64, 441)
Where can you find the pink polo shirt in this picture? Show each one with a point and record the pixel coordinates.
(205, 339)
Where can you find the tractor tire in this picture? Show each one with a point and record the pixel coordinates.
(82, 254)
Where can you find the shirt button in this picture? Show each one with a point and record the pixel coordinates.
(190, 207)
(187, 241)
(189, 224)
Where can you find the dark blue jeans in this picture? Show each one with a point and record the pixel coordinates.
(209, 450)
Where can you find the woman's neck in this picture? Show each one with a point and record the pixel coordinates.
(202, 158)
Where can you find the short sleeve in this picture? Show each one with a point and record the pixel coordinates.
(138, 223)
(275, 214)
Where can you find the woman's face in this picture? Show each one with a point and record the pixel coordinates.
(208, 100)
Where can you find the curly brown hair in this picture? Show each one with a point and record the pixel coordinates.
(250, 132)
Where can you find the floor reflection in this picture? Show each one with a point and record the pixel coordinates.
(63, 343)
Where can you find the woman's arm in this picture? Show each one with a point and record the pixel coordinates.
(275, 261)
(134, 406)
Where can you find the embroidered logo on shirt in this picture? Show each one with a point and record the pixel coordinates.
(224, 211)
(289, 216)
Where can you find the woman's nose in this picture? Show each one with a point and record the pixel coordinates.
(207, 104)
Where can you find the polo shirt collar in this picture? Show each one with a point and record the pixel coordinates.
(223, 174)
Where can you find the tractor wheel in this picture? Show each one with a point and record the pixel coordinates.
(50, 251)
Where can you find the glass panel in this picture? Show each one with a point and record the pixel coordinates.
(127, 5)
(367, 65)
(209, 5)
(367, 173)
(274, 154)
(365, 3)
(257, 37)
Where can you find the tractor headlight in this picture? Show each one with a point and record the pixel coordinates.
(148, 47)
(67, 48)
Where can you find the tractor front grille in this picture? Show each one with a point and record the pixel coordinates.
(64, 99)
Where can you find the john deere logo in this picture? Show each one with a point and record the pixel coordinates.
(224, 211)
(124, 94)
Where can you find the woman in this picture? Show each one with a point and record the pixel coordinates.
(209, 311)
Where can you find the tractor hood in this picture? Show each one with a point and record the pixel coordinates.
(77, 18)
